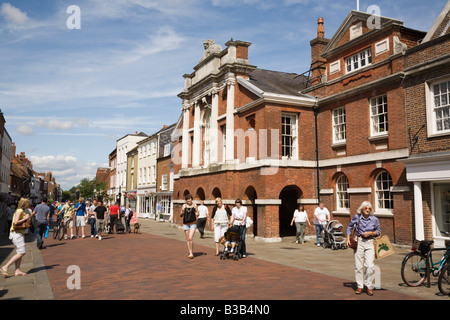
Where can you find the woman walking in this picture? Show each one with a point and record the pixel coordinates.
(189, 212)
(22, 214)
(367, 227)
(300, 218)
(220, 216)
(238, 218)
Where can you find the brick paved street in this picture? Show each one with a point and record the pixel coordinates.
(156, 267)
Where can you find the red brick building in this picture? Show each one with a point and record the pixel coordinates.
(277, 139)
(427, 89)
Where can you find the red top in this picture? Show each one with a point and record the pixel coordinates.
(114, 209)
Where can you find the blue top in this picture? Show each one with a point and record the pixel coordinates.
(80, 209)
(370, 224)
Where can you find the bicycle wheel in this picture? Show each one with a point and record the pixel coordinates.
(55, 231)
(62, 230)
(414, 269)
(444, 279)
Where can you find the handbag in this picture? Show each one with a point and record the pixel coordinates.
(382, 246)
(23, 226)
(354, 235)
(248, 222)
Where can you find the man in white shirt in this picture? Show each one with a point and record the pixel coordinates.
(321, 216)
(203, 215)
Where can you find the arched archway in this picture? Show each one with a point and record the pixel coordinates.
(289, 198)
(200, 194)
(216, 193)
(251, 195)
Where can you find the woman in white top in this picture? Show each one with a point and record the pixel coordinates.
(300, 218)
(238, 217)
(220, 216)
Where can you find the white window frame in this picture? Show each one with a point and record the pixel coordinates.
(166, 149)
(431, 107)
(383, 193)
(293, 136)
(339, 125)
(375, 128)
(164, 182)
(355, 61)
(342, 196)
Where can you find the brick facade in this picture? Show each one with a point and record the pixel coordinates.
(264, 102)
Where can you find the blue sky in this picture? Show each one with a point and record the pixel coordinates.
(68, 95)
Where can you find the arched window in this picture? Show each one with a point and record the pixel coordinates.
(342, 199)
(383, 194)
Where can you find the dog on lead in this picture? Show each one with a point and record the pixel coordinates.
(137, 228)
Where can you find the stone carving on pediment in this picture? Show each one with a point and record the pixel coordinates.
(210, 47)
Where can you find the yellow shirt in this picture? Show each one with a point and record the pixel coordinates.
(22, 216)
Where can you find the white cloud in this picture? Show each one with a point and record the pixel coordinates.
(25, 130)
(13, 15)
(68, 171)
(55, 124)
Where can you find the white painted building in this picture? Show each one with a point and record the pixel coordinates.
(124, 145)
(146, 175)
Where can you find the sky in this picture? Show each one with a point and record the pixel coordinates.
(69, 92)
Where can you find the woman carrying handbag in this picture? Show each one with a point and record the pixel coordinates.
(367, 228)
(21, 222)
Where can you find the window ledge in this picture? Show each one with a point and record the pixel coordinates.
(377, 137)
(340, 144)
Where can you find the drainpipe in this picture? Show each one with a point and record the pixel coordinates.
(316, 112)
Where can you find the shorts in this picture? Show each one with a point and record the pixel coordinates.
(187, 227)
(18, 240)
(100, 224)
(81, 221)
(70, 221)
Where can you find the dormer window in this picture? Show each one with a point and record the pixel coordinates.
(359, 60)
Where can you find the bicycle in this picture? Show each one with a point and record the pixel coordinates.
(418, 265)
(58, 229)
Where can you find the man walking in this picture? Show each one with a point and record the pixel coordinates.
(114, 211)
(202, 217)
(41, 212)
(100, 212)
(321, 216)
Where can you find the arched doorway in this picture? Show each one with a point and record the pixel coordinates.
(289, 197)
(216, 193)
(251, 195)
(200, 194)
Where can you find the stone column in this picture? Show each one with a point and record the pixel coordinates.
(185, 142)
(418, 211)
(196, 148)
(229, 157)
(214, 147)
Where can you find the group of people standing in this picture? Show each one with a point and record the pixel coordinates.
(222, 218)
(94, 213)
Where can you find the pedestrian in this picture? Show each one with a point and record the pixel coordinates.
(91, 218)
(80, 221)
(220, 216)
(128, 216)
(238, 218)
(10, 215)
(321, 216)
(114, 211)
(367, 227)
(158, 210)
(100, 212)
(40, 223)
(300, 218)
(22, 214)
(69, 211)
(203, 216)
(189, 212)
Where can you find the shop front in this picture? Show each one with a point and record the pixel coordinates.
(430, 174)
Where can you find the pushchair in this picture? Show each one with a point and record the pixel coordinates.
(232, 244)
(334, 238)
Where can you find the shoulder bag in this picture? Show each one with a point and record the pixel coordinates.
(23, 226)
(354, 235)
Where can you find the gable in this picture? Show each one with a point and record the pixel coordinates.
(441, 26)
(357, 27)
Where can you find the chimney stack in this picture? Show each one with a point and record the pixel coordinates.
(318, 44)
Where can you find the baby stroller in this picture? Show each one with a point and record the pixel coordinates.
(232, 244)
(334, 238)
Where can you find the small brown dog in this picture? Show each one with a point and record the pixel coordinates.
(137, 228)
